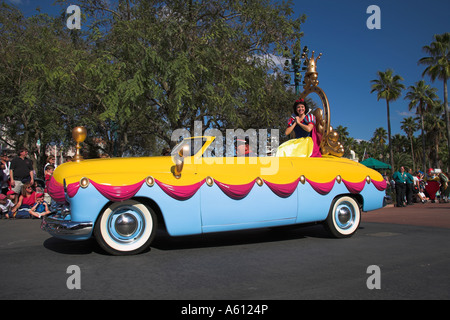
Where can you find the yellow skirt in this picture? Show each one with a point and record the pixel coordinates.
(301, 147)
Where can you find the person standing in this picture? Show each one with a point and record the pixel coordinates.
(400, 186)
(21, 171)
(4, 174)
(409, 186)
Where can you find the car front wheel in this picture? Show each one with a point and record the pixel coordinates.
(344, 217)
(126, 228)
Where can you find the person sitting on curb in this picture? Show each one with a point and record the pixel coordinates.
(40, 208)
(6, 206)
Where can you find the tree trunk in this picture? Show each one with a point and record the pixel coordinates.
(423, 143)
(391, 154)
(447, 120)
(412, 153)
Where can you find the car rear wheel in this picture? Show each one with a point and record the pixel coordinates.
(126, 228)
(344, 217)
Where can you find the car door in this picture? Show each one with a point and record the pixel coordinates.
(245, 193)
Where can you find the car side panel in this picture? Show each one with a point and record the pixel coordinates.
(260, 208)
(181, 217)
(372, 198)
(87, 204)
(313, 206)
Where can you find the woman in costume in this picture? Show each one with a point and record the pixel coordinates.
(303, 124)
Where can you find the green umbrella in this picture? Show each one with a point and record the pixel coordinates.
(375, 164)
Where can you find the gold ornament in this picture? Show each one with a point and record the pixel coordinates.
(311, 74)
(150, 181)
(79, 135)
(259, 181)
(302, 179)
(84, 182)
(329, 144)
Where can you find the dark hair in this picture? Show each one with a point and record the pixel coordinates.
(21, 150)
(300, 101)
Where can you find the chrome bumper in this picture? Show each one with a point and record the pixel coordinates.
(67, 229)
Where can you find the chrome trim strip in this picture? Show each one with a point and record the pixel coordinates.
(59, 227)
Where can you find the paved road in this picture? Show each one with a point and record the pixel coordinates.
(408, 245)
(428, 214)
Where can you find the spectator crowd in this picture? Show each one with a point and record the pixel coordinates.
(418, 187)
(23, 196)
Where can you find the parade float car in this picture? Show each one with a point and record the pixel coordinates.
(121, 201)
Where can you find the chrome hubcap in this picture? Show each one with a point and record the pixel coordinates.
(126, 224)
(345, 215)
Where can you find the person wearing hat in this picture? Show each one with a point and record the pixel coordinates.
(6, 206)
(243, 148)
(40, 208)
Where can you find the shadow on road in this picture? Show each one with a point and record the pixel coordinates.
(72, 247)
(163, 241)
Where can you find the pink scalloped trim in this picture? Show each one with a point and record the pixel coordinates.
(322, 188)
(121, 193)
(380, 185)
(236, 191)
(180, 192)
(117, 193)
(283, 190)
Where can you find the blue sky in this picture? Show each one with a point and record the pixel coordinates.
(352, 54)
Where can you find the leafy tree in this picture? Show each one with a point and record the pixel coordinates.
(379, 141)
(421, 97)
(32, 54)
(438, 67)
(161, 65)
(388, 87)
(435, 126)
(410, 126)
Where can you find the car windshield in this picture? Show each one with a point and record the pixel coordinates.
(195, 145)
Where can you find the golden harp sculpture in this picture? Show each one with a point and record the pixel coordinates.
(329, 143)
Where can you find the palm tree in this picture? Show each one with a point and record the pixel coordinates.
(435, 126)
(379, 140)
(410, 126)
(388, 87)
(343, 137)
(439, 67)
(422, 97)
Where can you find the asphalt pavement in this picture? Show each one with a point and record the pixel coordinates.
(409, 246)
(418, 214)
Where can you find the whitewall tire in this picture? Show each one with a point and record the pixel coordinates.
(126, 228)
(344, 217)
